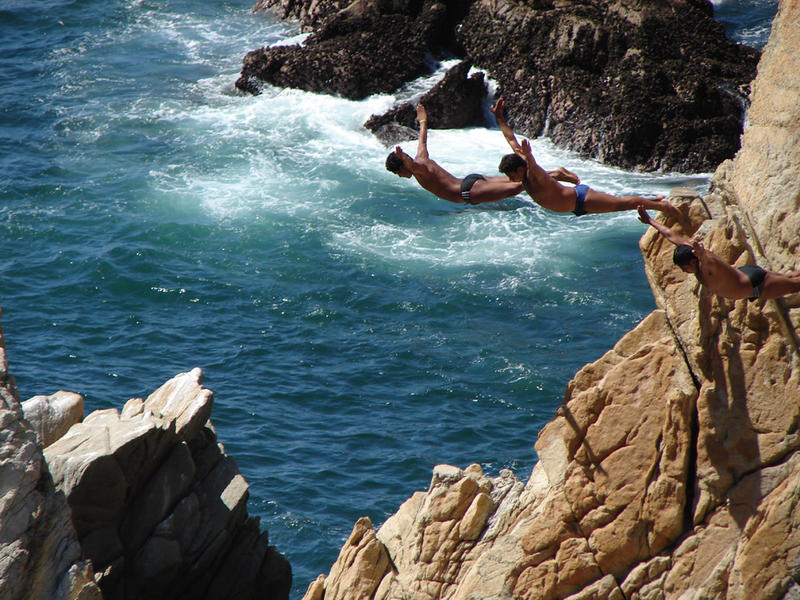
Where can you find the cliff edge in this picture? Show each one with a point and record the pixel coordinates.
(137, 504)
(672, 469)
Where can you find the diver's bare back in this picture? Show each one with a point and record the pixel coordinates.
(438, 181)
(549, 194)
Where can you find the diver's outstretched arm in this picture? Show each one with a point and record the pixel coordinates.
(422, 145)
(662, 229)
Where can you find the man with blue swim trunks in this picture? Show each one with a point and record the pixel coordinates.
(748, 281)
(550, 194)
(472, 189)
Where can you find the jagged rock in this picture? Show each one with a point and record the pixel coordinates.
(52, 416)
(455, 102)
(672, 469)
(310, 13)
(158, 505)
(39, 552)
(364, 49)
(640, 84)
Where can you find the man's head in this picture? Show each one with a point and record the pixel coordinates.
(513, 167)
(684, 257)
(394, 163)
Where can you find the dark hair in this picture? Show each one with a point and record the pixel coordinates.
(510, 163)
(683, 255)
(393, 163)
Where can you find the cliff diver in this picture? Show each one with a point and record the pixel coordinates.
(749, 281)
(472, 189)
(545, 190)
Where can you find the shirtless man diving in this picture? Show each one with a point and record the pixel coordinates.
(472, 189)
(750, 281)
(548, 193)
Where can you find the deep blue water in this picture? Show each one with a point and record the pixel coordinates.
(356, 331)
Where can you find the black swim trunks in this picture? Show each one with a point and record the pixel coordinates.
(756, 276)
(580, 199)
(466, 186)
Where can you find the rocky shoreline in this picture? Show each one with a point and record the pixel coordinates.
(142, 503)
(647, 85)
(671, 470)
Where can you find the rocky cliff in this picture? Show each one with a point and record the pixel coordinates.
(138, 504)
(647, 84)
(672, 469)
(39, 552)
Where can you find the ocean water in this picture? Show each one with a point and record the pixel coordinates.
(356, 330)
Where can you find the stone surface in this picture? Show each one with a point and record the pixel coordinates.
(52, 416)
(671, 470)
(456, 101)
(158, 505)
(39, 552)
(641, 84)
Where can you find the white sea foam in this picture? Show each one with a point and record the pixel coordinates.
(289, 154)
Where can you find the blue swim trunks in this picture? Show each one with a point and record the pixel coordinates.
(580, 199)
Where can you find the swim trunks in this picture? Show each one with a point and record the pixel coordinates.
(580, 199)
(466, 186)
(756, 276)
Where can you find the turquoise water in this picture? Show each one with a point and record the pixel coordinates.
(356, 331)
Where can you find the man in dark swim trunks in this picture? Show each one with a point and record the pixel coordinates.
(473, 189)
(549, 194)
(750, 281)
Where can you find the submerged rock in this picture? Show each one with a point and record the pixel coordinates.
(672, 468)
(643, 85)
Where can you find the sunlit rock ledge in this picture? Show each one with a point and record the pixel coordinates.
(672, 469)
(136, 504)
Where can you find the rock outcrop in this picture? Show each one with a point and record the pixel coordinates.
(158, 505)
(39, 552)
(138, 504)
(649, 84)
(456, 101)
(672, 469)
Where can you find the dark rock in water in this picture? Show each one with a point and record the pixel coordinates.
(455, 102)
(643, 85)
(310, 13)
(365, 49)
(640, 84)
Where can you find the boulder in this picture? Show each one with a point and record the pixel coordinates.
(39, 552)
(158, 505)
(364, 49)
(643, 85)
(671, 470)
(456, 101)
(52, 416)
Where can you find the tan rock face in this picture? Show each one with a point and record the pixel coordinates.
(672, 469)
